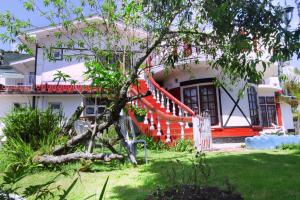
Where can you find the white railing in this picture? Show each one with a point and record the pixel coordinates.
(184, 56)
(17, 80)
(167, 100)
(156, 119)
(174, 116)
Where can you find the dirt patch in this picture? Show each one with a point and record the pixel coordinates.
(191, 192)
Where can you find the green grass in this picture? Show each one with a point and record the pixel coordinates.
(255, 174)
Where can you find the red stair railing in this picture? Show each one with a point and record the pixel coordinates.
(156, 117)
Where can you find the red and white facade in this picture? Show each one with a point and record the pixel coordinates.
(176, 95)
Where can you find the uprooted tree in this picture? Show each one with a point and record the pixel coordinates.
(235, 36)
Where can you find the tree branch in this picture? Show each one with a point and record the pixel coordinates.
(50, 159)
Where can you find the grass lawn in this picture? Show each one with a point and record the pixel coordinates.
(255, 174)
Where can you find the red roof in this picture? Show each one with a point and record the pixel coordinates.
(50, 89)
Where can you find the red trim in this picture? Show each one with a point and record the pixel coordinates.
(278, 111)
(235, 132)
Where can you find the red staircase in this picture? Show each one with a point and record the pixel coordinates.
(167, 119)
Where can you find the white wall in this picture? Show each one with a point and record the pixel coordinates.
(7, 102)
(237, 118)
(69, 103)
(287, 116)
(201, 71)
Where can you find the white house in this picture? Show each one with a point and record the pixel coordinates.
(177, 92)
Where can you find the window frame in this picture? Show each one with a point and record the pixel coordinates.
(216, 98)
(93, 106)
(265, 109)
(253, 103)
(55, 110)
(60, 51)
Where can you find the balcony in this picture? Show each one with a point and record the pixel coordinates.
(269, 85)
(16, 83)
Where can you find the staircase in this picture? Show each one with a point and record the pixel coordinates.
(167, 118)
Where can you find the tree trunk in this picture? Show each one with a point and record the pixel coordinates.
(69, 125)
(50, 159)
(131, 155)
(70, 143)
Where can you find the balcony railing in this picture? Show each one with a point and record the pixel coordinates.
(16, 83)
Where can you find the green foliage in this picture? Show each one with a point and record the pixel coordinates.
(290, 147)
(183, 146)
(151, 144)
(60, 76)
(30, 132)
(101, 197)
(197, 174)
(138, 111)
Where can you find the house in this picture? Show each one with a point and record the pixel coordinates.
(176, 96)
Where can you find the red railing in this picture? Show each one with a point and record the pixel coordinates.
(171, 97)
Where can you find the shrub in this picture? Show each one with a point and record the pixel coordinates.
(290, 147)
(151, 144)
(183, 146)
(29, 132)
(32, 126)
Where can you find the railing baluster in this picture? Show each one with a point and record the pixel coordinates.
(158, 126)
(162, 103)
(157, 97)
(168, 131)
(186, 123)
(146, 117)
(154, 93)
(174, 108)
(181, 130)
(179, 112)
(168, 105)
(151, 120)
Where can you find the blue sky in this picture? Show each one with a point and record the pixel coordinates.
(15, 7)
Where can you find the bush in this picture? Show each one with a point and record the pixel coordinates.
(29, 132)
(290, 147)
(32, 126)
(151, 144)
(183, 146)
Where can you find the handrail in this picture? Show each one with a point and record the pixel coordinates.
(171, 97)
(161, 114)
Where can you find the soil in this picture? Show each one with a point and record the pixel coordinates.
(191, 192)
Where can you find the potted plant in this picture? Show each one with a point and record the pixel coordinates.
(139, 113)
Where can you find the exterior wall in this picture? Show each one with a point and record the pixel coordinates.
(69, 103)
(227, 116)
(230, 117)
(287, 116)
(7, 103)
(46, 69)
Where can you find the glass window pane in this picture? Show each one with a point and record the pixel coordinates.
(90, 110)
(270, 100)
(262, 100)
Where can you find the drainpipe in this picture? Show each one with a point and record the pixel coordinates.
(34, 80)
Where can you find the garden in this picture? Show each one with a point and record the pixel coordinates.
(246, 174)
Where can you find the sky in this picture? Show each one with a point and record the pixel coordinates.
(16, 7)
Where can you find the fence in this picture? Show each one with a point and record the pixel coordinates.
(202, 132)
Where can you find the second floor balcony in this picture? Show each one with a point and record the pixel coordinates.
(15, 83)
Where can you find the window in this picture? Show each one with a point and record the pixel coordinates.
(57, 54)
(253, 106)
(201, 99)
(94, 106)
(268, 111)
(190, 98)
(208, 102)
(55, 106)
(20, 105)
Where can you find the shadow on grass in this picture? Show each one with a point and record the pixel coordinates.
(257, 175)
